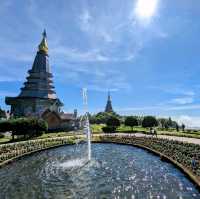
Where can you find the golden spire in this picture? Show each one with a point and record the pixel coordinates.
(43, 45)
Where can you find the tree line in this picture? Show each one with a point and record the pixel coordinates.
(113, 120)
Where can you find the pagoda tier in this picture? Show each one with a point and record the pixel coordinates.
(39, 82)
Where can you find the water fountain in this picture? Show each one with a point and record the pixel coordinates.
(77, 161)
(87, 123)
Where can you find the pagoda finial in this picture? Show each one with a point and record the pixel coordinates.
(44, 34)
(109, 97)
(43, 45)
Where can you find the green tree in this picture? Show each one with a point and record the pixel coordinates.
(183, 127)
(108, 129)
(149, 121)
(170, 123)
(102, 117)
(4, 126)
(2, 113)
(174, 124)
(162, 122)
(29, 127)
(113, 122)
(131, 121)
(177, 127)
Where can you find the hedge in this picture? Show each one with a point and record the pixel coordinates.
(24, 126)
(108, 129)
(17, 149)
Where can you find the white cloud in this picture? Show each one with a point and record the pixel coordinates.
(163, 35)
(118, 38)
(79, 56)
(174, 89)
(96, 76)
(94, 27)
(91, 55)
(189, 121)
(107, 37)
(184, 107)
(102, 89)
(183, 100)
(159, 108)
(34, 16)
(85, 19)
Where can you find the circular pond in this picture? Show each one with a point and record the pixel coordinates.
(116, 171)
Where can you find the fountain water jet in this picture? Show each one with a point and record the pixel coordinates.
(87, 123)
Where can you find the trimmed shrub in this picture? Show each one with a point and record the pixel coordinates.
(113, 122)
(149, 121)
(24, 126)
(108, 129)
(131, 121)
(9, 151)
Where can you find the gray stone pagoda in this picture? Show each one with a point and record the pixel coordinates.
(109, 108)
(38, 94)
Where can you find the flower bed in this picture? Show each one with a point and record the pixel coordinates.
(14, 150)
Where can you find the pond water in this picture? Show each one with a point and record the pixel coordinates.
(115, 171)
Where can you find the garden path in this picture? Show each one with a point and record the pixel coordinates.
(182, 139)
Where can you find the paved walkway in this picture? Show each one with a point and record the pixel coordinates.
(182, 139)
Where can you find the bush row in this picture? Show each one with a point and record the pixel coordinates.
(29, 127)
(9, 151)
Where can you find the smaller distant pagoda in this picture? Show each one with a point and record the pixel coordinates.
(109, 108)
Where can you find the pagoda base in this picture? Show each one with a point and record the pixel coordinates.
(32, 107)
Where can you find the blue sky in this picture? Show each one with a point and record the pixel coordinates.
(146, 52)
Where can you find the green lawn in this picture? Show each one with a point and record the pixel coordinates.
(123, 128)
(5, 139)
(57, 134)
(97, 128)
